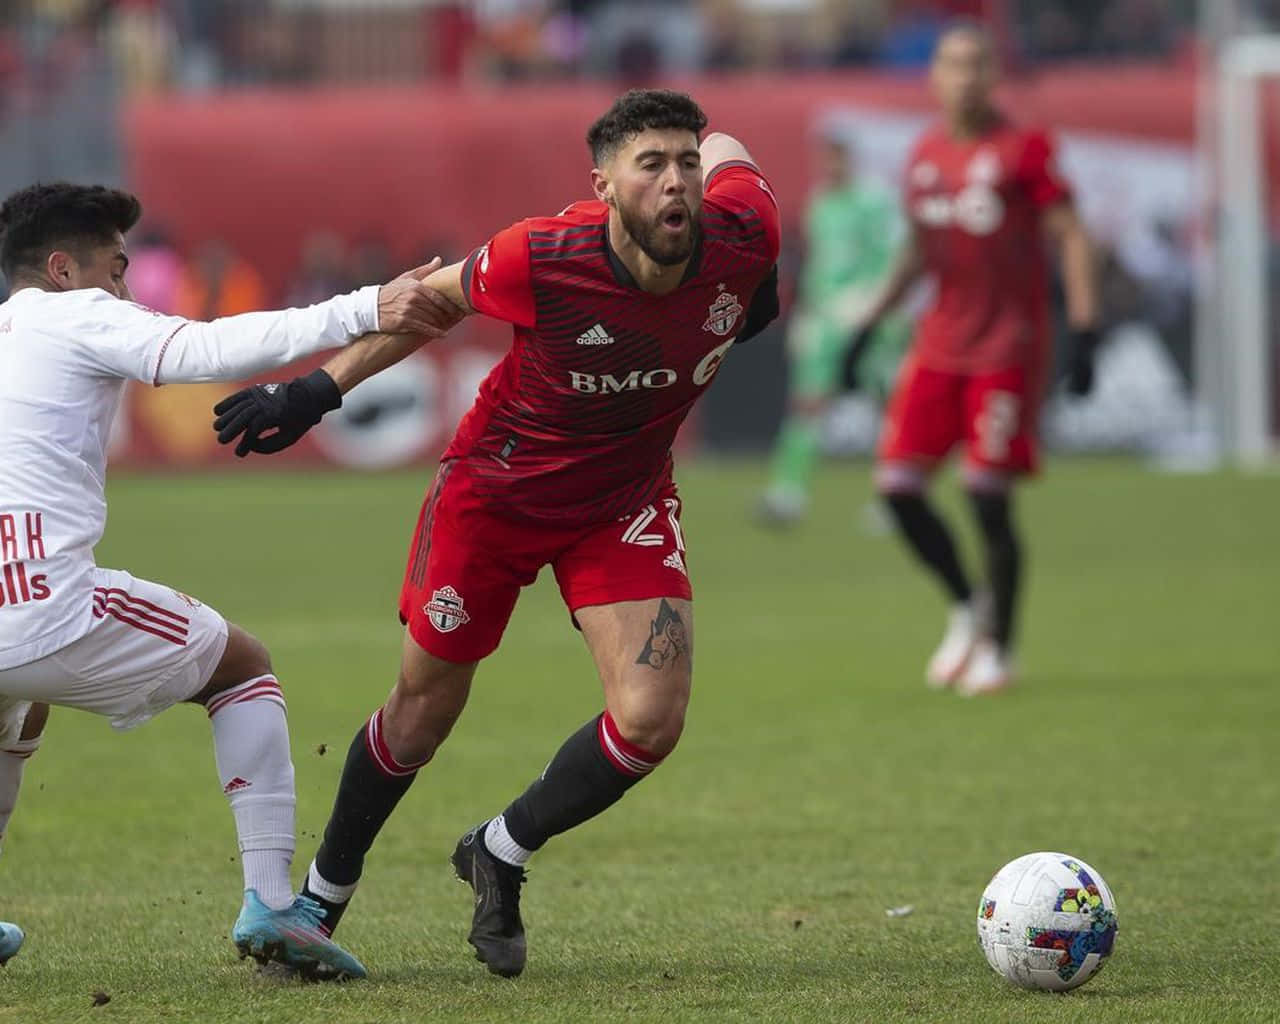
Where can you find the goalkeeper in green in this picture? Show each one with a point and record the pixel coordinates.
(853, 231)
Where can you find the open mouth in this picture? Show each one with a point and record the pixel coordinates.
(675, 220)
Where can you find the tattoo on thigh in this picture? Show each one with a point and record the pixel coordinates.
(667, 638)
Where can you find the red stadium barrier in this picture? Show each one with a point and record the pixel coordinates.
(431, 170)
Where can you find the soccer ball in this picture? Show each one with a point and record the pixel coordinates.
(1047, 921)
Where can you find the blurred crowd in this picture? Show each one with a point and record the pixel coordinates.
(202, 44)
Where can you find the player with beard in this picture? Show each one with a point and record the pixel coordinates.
(623, 308)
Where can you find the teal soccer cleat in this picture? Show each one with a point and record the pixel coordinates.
(294, 936)
(10, 941)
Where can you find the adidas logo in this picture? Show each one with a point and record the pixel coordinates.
(235, 785)
(674, 561)
(596, 335)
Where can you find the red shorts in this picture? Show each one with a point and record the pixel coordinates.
(994, 414)
(467, 564)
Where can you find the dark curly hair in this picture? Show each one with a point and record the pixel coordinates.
(642, 110)
(41, 218)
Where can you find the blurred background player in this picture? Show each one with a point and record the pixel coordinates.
(982, 195)
(623, 307)
(852, 232)
(101, 640)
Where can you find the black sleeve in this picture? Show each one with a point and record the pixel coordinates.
(764, 308)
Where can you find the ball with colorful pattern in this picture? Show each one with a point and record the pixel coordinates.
(1047, 921)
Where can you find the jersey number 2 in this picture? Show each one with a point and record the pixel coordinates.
(997, 424)
(641, 521)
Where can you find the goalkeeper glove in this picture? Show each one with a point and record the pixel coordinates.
(291, 409)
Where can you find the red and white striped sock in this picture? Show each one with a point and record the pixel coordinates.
(590, 772)
(622, 753)
(13, 759)
(381, 753)
(251, 747)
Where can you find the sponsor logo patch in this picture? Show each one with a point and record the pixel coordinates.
(596, 335)
(674, 561)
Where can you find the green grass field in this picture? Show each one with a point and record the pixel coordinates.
(818, 784)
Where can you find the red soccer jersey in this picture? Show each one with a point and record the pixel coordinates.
(976, 205)
(575, 424)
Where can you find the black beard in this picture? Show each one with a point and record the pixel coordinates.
(649, 237)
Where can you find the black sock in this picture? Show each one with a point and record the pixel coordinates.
(372, 784)
(1004, 560)
(590, 773)
(931, 541)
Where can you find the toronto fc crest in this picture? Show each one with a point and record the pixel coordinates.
(723, 314)
(445, 610)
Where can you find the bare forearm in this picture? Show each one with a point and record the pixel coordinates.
(373, 353)
(368, 355)
(907, 269)
(1079, 279)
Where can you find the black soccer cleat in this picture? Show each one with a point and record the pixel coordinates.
(497, 933)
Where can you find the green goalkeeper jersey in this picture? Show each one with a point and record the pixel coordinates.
(853, 233)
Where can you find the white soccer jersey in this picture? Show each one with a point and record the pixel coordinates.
(64, 358)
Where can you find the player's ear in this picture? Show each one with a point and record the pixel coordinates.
(601, 186)
(63, 269)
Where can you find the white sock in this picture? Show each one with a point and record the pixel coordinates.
(13, 759)
(251, 747)
(327, 890)
(498, 841)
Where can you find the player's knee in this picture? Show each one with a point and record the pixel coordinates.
(900, 479)
(653, 725)
(245, 657)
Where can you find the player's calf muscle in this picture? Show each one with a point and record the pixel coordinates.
(426, 702)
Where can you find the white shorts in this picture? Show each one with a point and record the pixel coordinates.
(149, 647)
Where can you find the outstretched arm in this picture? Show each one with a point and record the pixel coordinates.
(268, 418)
(241, 346)
(375, 352)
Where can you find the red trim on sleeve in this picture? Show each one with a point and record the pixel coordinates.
(155, 378)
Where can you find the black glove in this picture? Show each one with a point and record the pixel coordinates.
(291, 408)
(1083, 346)
(853, 356)
(763, 308)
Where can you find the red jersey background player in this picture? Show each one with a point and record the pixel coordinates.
(623, 308)
(981, 195)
